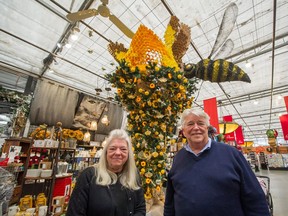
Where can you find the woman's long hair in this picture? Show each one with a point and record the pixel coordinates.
(129, 176)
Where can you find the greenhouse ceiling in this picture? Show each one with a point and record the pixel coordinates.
(34, 37)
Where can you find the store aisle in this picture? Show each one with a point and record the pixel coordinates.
(278, 190)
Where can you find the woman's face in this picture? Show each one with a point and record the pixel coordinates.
(117, 155)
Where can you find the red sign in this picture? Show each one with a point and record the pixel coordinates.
(227, 118)
(210, 107)
(284, 125)
(239, 136)
(286, 102)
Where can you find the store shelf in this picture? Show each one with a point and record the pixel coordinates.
(37, 178)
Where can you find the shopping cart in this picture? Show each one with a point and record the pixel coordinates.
(265, 184)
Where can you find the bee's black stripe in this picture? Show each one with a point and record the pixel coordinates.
(238, 74)
(210, 70)
(230, 74)
(200, 70)
(220, 71)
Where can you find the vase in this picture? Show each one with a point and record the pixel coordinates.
(72, 142)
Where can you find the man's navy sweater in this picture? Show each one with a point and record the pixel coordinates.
(217, 182)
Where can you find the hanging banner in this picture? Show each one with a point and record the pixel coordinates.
(284, 125)
(286, 102)
(239, 136)
(210, 107)
(229, 136)
(227, 118)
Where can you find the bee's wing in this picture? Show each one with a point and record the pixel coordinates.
(226, 26)
(225, 50)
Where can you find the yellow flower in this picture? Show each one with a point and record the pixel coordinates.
(143, 163)
(79, 136)
(146, 93)
(119, 90)
(148, 195)
(152, 85)
(158, 188)
(148, 181)
(147, 133)
(155, 154)
(169, 75)
(175, 85)
(71, 134)
(122, 80)
(163, 171)
(138, 99)
(179, 76)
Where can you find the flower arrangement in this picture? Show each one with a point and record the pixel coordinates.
(153, 90)
(42, 133)
(76, 134)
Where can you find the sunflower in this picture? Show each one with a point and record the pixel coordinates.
(122, 80)
(148, 180)
(79, 136)
(71, 134)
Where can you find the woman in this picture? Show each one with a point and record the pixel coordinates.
(111, 187)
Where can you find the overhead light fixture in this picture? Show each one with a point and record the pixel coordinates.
(105, 120)
(59, 45)
(93, 125)
(75, 32)
(256, 102)
(68, 45)
(86, 137)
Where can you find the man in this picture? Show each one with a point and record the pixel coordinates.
(209, 178)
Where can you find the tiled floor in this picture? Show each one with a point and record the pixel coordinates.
(278, 190)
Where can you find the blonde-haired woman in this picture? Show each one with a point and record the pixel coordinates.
(111, 187)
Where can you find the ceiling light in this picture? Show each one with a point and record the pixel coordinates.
(68, 45)
(93, 126)
(279, 97)
(87, 136)
(74, 37)
(255, 102)
(105, 120)
(59, 45)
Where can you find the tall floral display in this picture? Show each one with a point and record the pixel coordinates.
(153, 90)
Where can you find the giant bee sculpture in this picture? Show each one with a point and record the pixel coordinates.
(219, 70)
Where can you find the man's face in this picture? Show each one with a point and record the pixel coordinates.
(195, 130)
